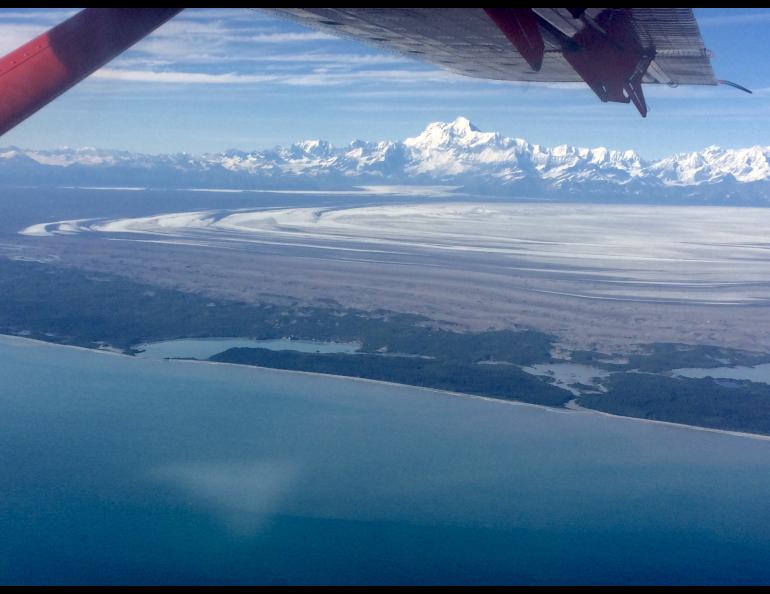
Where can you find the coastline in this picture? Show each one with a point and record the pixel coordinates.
(570, 408)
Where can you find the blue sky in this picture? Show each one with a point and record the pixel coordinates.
(214, 79)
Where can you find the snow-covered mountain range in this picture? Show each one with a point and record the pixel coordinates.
(455, 154)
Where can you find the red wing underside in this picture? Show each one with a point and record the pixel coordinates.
(41, 70)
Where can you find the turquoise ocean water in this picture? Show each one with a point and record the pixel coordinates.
(130, 470)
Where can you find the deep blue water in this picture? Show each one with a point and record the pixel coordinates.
(121, 470)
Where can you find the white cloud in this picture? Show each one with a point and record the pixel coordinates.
(174, 77)
(754, 17)
(49, 16)
(318, 77)
(290, 37)
(287, 60)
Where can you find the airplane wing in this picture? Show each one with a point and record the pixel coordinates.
(612, 50)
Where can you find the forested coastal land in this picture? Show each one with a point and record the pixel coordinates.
(63, 305)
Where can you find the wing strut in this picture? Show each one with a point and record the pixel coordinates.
(609, 57)
(604, 50)
(521, 27)
(41, 70)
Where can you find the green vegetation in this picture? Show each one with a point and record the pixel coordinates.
(69, 306)
(668, 356)
(498, 381)
(741, 406)
(665, 356)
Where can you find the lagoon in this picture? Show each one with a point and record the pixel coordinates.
(758, 373)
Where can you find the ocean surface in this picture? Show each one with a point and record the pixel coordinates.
(136, 470)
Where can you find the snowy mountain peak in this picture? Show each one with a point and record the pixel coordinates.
(441, 134)
(462, 126)
(453, 153)
(320, 148)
